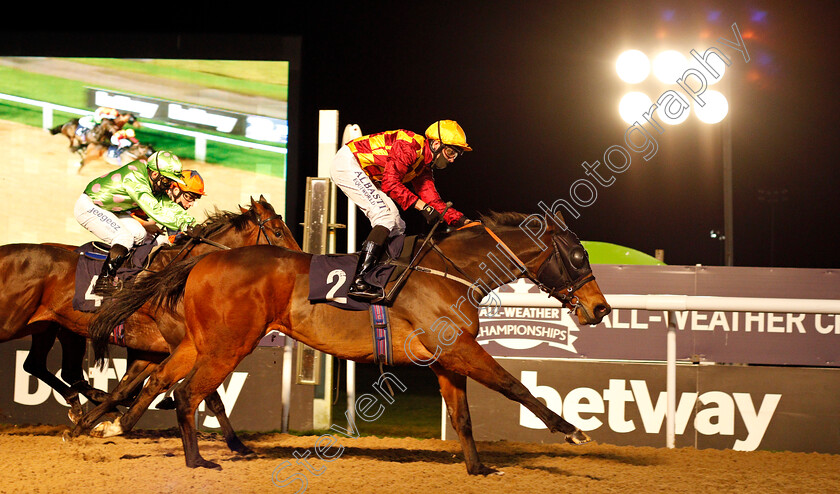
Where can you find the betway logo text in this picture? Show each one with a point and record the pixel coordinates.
(585, 408)
(31, 391)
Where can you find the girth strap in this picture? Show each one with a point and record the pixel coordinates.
(381, 327)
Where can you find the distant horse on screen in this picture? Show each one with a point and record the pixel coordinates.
(100, 133)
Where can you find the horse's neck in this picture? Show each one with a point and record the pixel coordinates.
(227, 236)
(484, 259)
(231, 237)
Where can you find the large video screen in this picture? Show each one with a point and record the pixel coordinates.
(226, 119)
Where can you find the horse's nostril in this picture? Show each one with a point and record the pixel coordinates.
(602, 310)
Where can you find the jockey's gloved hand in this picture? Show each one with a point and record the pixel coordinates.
(461, 222)
(430, 214)
(192, 231)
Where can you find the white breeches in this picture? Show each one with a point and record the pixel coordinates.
(380, 209)
(115, 230)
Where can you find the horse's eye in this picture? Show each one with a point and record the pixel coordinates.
(278, 233)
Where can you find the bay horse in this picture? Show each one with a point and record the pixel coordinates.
(39, 285)
(99, 133)
(231, 299)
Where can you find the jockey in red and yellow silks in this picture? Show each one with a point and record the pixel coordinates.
(395, 158)
(394, 169)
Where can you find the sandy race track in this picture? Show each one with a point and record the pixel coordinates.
(37, 459)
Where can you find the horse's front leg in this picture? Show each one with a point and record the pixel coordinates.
(465, 356)
(453, 388)
(133, 379)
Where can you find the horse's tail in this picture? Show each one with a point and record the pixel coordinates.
(163, 288)
(56, 130)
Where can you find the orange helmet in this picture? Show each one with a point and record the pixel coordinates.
(192, 182)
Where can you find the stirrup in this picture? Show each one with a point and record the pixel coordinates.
(365, 293)
(106, 286)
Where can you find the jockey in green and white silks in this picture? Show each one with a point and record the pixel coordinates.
(106, 205)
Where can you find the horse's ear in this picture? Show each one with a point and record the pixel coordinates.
(253, 204)
(262, 198)
(555, 221)
(242, 210)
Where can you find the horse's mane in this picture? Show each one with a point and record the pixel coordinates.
(492, 219)
(509, 218)
(218, 220)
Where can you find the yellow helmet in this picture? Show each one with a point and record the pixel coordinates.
(448, 132)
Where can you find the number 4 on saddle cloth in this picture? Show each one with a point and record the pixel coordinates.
(91, 257)
(330, 276)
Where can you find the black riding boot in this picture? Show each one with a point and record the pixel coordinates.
(106, 284)
(372, 249)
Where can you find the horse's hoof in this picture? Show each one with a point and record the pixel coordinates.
(74, 416)
(107, 429)
(577, 437)
(202, 463)
(166, 404)
(243, 450)
(483, 470)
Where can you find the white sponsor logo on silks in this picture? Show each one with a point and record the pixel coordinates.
(522, 328)
(29, 390)
(718, 417)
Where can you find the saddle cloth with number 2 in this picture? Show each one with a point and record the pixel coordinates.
(330, 276)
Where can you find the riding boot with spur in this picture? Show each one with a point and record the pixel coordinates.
(107, 283)
(372, 249)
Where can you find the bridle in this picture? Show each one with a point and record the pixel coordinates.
(197, 239)
(567, 273)
(262, 226)
(561, 276)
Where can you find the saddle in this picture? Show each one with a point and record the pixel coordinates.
(91, 257)
(330, 274)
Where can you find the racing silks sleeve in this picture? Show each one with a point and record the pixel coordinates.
(424, 185)
(165, 212)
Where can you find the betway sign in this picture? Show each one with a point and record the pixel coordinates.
(589, 409)
(256, 127)
(725, 407)
(774, 338)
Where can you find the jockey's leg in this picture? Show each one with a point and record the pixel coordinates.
(106, 284)
(368, 259)
(379, 209)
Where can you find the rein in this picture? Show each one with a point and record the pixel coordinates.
(565, 293)
(199, 239)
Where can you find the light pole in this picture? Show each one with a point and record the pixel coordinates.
(633, 67)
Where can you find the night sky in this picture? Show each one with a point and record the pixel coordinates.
(534, 85)
(536, 90)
